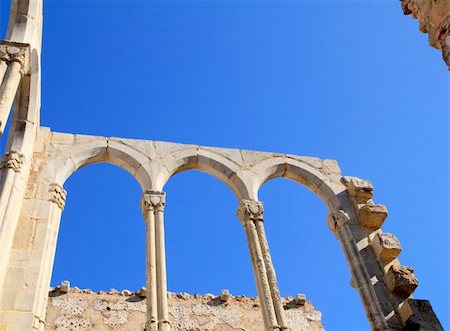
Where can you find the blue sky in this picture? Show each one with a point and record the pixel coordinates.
(353, 81)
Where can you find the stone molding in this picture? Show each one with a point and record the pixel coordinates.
(57, 195)
(16, 52)
(153, 201)
(12, 160)
(250, 210)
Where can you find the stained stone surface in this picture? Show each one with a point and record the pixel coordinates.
(113, 310)
(434, 19)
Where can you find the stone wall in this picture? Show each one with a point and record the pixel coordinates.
(434, 18)
(125, 310)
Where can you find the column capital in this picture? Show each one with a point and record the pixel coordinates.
(57, 195)
(336, 219)
(153, 201)
(16, 52)
(250, 210)
(12, 160)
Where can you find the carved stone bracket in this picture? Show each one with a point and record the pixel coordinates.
(401, 280)
(57, 195)
(386, 247)
(16, 52)
(250, 210)
(12, 160)
(153, 201)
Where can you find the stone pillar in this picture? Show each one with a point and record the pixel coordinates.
(27, 281)
(271, 276)
(154, 202)
(148, 203)
(14, 63)
(11, 163)
(338, 222)
(3, 67)
(250, 213)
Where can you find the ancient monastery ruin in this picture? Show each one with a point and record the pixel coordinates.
(38, 161)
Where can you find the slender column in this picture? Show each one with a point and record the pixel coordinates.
(148, 208)
(8, 91)
(158, 200)
(338, 222)
(3, 67)
(251, 212)
(271, 275)
(14, 61)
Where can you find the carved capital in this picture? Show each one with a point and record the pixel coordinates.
(336, 219)
(57, 195)
(153, 201)
(16, 52)
(250, 210)
(12, 160)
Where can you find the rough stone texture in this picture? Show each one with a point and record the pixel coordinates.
(434, 18)
(85, 310)
(422, 316)
(401, 280)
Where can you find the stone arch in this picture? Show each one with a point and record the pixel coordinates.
(207, 161)
(59, 168)
(326, 186)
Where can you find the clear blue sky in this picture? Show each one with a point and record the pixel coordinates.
(353, 81)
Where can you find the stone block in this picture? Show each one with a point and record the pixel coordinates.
(372, 216)
(401, 280)
(300, 299)
(224, 295)
(386, 247)
(360, 190)
(143, 292)
(421, 316)
(65, 286)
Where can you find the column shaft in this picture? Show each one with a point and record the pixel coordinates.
(272, 278)
(163, 310)
(8, 89)
(3, 67)
(152, 302)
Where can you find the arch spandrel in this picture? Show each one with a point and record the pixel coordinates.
(322, 177)
(63, 156)
(217, 162)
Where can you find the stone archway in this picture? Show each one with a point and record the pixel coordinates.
(37, 163)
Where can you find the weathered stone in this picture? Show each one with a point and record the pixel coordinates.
(433, 16)
(360, 190)
(300, 299)
(372, 216)
(224, 295)
(421, 316)
(81, 311)
(386, 247)
(142, 292)
(401, 280)
(65, 286)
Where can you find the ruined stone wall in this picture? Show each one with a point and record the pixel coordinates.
(434, 18)
(125, 310)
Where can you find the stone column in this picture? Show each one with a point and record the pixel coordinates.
(250, 212)
(14, 56)
(161, 276)
(3, 67)
(148, 203)
(271, 276)
(153, 203)
(338, 222)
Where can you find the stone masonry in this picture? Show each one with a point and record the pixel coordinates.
(125, 310)
(37, 162)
